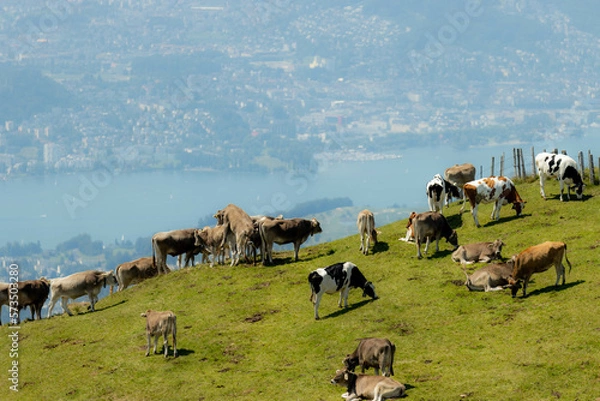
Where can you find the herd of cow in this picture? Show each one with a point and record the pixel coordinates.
(242, 235)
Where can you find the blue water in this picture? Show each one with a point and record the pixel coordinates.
(110, 205)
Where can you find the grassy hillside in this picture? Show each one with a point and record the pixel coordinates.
(248, 333)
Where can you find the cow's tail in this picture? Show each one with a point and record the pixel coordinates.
(311, 278)
(567, 259)
(393, 349)
(468, 282)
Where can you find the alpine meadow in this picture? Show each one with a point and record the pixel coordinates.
(248, 332)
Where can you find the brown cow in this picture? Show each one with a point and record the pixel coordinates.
(432, 225)
(374, 388)
(478, 252)
(32, 293)
(134, 272)
(286, 231)
(159, 323)
(375, 353)
(238, 230)
(366, 228)
(174, 243)
(459, 175)
(537, 259)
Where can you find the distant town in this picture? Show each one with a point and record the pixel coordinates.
(273, 84)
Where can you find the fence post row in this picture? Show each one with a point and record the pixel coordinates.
(519, 170)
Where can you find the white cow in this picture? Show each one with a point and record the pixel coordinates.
(564, 169)
(89, 282)
(366, 228)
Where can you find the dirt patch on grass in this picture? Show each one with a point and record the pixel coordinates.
(402, 328)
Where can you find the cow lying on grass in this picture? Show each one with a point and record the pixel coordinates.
(374, 388)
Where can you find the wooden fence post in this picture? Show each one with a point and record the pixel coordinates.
(502, 164)
(533, 167)
(591, 164)
(492, 167)
(515, 162)
(524, 173)
(580, 162)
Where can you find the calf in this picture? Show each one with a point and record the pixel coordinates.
(159, 323)
(135, 272)
(430, 225)
(375, 353)
(213, 238)
(564, 169)
(537, 259)
(410, 235)
(478, 252)
(358, 387)
(493, 277)
(366, 228)
(339, 277)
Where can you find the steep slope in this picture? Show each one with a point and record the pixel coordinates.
(247, 333)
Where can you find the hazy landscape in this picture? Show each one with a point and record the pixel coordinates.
(120, 119)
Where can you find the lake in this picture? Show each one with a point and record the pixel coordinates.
(109, 205)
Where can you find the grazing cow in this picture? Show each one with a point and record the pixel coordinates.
(564, 169)
(376, 388)
(492, 277)
(500, 190)
(32, 293)
(174, 243)
(238, 228)
(537, 259)
(459, 175)
(436, 191)
(286, 231)
(432, 225)
(135, 272)
(366, 228)
(339, 277)
(478, 252)
(89, 282)
(161, 323)
(212, 238)
(375, 353)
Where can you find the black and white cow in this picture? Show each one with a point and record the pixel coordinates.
(564, 169)
(437, 190)
(339, 277)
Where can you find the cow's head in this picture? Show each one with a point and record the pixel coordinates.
(198, 238)
(518, 207)
(453, 239)
(219, 216)
(496, 247)
(344, 378)
(315, 227)
(369, 290)
(514, 286)
(578, 189)
(350, 362)
(374, 233)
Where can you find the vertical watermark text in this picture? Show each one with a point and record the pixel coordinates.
(13, 336)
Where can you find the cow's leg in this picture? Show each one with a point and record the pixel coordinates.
(64, 302)
(474, 213)
(561, 183)
(361, 243)
(427, 242)
(296, 251)
(367, 244)
(165, 335)
(316, 302)
(174, 332)
(525, 282)
(560, 271)
(51, 305)
(148, 337)
(155, 342)
(464, 201)
(418, 242)
(542, 184)
(437, 243)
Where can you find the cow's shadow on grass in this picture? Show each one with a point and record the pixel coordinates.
(556, 197)
(505, 219)
(552, 288)
(455, 220)
(380, 246)
(184, 352)
(442, 253)
(350, 308)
